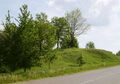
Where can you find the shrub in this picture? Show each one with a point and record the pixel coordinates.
(4, 69)
(90, 45)
(80, 60)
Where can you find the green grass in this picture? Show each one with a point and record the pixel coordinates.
(65, 64)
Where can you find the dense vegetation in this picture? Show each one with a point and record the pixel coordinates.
(66, 62)
(27, 40)
(90, 45)
(35, 47)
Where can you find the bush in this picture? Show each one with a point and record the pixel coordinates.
(90, 45)
(4, 69)
(50, 58)
(80, 60)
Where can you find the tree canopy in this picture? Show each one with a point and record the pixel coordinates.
(27, 40)
(90, 45)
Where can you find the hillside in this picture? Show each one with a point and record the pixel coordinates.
(91, 57)
(65, 63)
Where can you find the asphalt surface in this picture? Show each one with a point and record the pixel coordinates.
(101, 76)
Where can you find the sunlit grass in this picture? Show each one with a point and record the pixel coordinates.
(64, 64)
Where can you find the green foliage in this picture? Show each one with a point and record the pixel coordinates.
(65, 64)
(67, 43)
(4, 69)
(73, 42)
(118, 53)
(62, 29)
(50, 57)
(26, 34)
(80, 60)
(23, 44)
(7, 42)
(63, 33)
(90, 45)
(29, 44)
(77, 25)
(42, 17)
(46, 34)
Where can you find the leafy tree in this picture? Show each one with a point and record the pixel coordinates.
(62, 29)
(46, 34)
(42, 17)
(2, 49)
(77, 24)
(8, 41)
(65, 43)
(23, 45)
(27, 33)
(90, 45)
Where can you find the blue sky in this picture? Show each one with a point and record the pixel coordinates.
(103, 15)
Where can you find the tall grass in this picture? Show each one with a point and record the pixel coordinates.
(64, 64)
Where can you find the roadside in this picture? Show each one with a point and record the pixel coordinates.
(90, 77)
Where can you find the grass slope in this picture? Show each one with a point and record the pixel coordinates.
(65, 64)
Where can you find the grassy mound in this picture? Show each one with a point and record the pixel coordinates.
(65, 63)
(92, 58)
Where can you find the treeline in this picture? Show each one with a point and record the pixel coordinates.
(27, 40)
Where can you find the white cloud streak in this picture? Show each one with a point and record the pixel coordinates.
(97, 7)
(51, 2)
(105, 36)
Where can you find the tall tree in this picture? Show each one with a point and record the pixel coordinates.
(62, 28)
(29, 50)
(24, 43)
(7, 42)
(42, 17)
(46, 33)
(77, 24)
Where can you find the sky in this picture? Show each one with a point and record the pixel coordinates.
(102, 15)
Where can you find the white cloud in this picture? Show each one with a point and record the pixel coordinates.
(51, 2)
(116, 7)
(70, 0)
(97, 7)
(55, 9)
(104, 2)
(105, 36)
